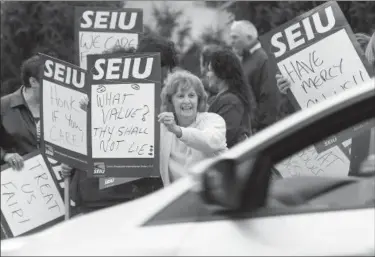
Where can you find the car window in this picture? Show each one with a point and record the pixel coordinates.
(336, 156)
(316, 175)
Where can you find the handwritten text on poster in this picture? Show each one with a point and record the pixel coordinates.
(29, 198)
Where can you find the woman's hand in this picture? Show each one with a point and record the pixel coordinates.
(84, 102)
(66, 170)
(282, 83)
(167, 118)
(14, 160)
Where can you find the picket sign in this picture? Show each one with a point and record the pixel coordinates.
(302, 51)
(30, 198)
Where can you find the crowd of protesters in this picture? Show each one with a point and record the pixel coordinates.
(200, 117)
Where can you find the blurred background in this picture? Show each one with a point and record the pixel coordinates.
(48, 27)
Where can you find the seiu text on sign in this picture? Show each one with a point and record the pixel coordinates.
(128, 20)
(300, 33)
(64, 74)
(123, 68)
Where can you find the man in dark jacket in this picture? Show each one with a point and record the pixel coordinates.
(244, 41)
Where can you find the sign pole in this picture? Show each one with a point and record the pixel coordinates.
(67, 197)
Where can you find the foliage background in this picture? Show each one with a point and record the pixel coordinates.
(48, 27)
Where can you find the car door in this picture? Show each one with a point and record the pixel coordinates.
(313, 210)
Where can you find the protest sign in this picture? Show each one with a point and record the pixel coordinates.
(318, 53)
(63, 122)
(331, 163)
(100, 29)
(30, 198)
(124, 102)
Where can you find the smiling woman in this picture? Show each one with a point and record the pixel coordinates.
(188, 133)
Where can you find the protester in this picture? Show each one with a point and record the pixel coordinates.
(188, 133)
(20, 115)
(233, 101)
(204, 60)
(244, 41)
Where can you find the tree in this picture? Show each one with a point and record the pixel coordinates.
(31, 27)
(168, 23)
(210, 35)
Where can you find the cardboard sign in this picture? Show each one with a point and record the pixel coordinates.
(100, 29)
(63, 122)
(330, 163)
(124, 102)
(319, 54)
(30, 198)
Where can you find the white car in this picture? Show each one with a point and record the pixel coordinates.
(232, 205)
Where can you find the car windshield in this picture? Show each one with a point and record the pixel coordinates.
(312, 175)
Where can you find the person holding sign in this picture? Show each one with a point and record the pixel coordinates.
(234, 101)
(20, 115)
(188, 133)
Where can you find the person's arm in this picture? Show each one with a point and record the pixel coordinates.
(2, 154)
(210, 138)
(7, 154)
(4, 142)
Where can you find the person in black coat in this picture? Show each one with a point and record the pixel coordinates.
(234, 101)
(256, 67)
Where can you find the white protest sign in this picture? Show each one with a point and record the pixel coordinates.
(63, 122)
(330, 163)
(319, 54)
(124, 102)
(101, 29)
(124, 124)
(29, 198)
(317, 74)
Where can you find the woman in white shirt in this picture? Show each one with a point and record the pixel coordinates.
(188, 133)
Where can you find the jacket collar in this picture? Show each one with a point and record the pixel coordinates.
(251, 50)
(17, 98)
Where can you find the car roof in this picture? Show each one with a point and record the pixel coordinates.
(293, 123)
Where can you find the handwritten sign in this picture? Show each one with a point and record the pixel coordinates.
(318, 53)
(124, 98)
(100, 29)
(317, 74)
(330, 163)
(30, 198)
(63, 122)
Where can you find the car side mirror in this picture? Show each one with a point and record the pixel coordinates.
(220, 185)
